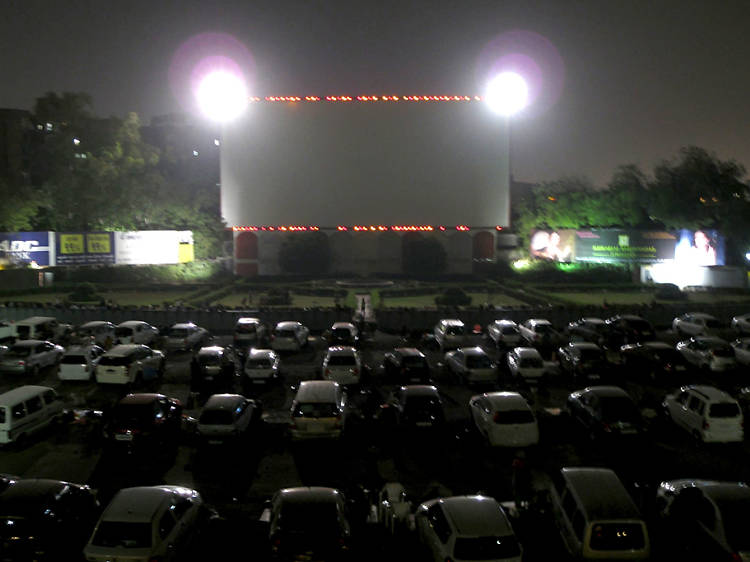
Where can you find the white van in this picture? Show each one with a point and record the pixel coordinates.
(450, 333)
(596, 516)
(40, 328)
(25, 410)
(318, 411)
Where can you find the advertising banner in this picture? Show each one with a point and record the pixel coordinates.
(27, 248)
(153, 247)
(85, 248)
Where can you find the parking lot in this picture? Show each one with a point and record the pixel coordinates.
(237, 480)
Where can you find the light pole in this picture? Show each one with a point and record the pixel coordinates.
(506, 95)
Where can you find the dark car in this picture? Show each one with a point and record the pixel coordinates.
(406, 365)
(605, 412)
(627, 328)
(343, 333)
(584, 360)
(653, 359)
(417, 406)
(214, 369)
(308, 523)
(44, 519)
(588, 329)
(149, 423)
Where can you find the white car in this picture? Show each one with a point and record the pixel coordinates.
(147, 523)
(525, 363)
(185, 336)
(466, 528)
(741, 323)
(708, 352)
(129, 364)
(707, 413)
(31, 356)
(504, 333)
(225, 417)
(742, 350)
(136, 331)
(449, 333)
(289, 336)
(318, 411)
(394, 507)
(471, 365)
(79, 362)
(99, 332)
(248, 332)
(696, 324)
(505, 419)
(7, 331)
(262, 366)
(343, 333)
(537, 331)
(342, 364)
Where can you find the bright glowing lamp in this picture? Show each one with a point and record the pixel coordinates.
(222, 96)
(507, 93)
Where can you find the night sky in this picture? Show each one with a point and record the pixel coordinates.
(621, 82)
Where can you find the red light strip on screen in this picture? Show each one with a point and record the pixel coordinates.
(357, 228)
(362, 99)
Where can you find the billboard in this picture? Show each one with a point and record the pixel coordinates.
(153, 247)
(85, 248)
(27, 248)
(685, 247)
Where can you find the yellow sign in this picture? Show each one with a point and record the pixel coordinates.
(71, 243)
(98, 244)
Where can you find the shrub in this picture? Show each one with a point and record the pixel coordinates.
(276, 297)
(85, 292)
(453, 297)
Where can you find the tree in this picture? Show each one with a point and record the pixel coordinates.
(424, 257)
(305, 253)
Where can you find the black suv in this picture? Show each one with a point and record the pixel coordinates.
(144, 423)
(406, 365)
(214, 370)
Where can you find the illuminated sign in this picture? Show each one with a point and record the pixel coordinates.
(153, 247)
(27, 247)
(85, 248)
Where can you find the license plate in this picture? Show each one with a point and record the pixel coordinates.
(258, 381)
(214, 442)
(209, 377)
(424, 424)
(123, 437)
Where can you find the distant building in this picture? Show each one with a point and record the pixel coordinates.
(16, 132)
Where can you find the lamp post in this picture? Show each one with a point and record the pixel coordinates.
(506, 95)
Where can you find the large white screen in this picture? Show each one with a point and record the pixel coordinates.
(389, 163)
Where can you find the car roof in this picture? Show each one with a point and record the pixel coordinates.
(505, 399)
(22, 393)
(538, 321)
(656, 345)
(304, 494)
(601, 493)
(583, 345)
(420, 390)
(140, 504)
(607, 391)
(700, 315)
(261, 353)
(711, 340)
(409, 351)
(35, 320)
(78, 349)
(211, 350)
(180, 325)
(132, 323)
(317, 391)
(141, 398)
(505, 321)
(224, 401)
(31, 489)
(341, 350)
(27, 343)
(451, 322)
(475, 350)
(709, 392)
(527, 352)
(476, 515)
(94, 323)
(348, 325)
(123, 349)
(248, 320)
(287, 324)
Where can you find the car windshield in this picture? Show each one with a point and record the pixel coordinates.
(73, 360)
(592, 355)
(638, 325)
(18, 351)
(478, 362)
(712, 323)
(618, 409)
(316, 410)
(216, 417)
(213, 359)
(542, 328)
(414, 361)
(245, 328)
(258, 364)
(486, 548)
(346, 360)
(724, 410)
(514, 416)
(133, 416)
(532, 363)
(125, 534)
(734, 515)
(341, 333)
(309, 517)
(177, 333)
(288, 333)
(509, 330)
(115, 360)
(455, 330)
(123, 332)
(617, 536)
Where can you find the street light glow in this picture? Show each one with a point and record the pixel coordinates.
(507, 93)
(222, 96)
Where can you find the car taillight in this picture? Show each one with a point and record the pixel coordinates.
(292, 425)
(22, 363)
(355, 371)
(606, 427)
(342, 543)
(706, 425)
(328, 371)
(735, 557)
(496, 417)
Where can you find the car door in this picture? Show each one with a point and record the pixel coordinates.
(437, 532)
(477, 414)
(678, 408)
(694, 414)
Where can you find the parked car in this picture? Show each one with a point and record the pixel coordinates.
(584, 361)
(505, 419)
(587, 329)
(741, 323)
(79, 362)
(7, 332)
(696, 324)
(136, 331)
(449, 333)
(471, 365)
(394, 507)
(214, 369)
(342, 364)
(705, 519)
(319, 410)
(707, 413)
(144, 423)
(99, 332)
(653, 359)
(525, 363)
(148, 523)
(406, 365)
(343, 333)
(227, 417)
(308, 523)
(30, 357)
(249, 332)
(504, 333)
(25, 410)
(741, 348)
(605, 412)
(708, 353)
(466, 528)
(539, 333)
(129, 364)
(42, 519)
(40, 328)
(627, 328)
(185, 336)
(417, 406)
(261, 367)
(289, 336)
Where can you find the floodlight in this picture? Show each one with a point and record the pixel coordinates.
(507, 93)
(222, 96)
